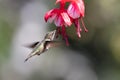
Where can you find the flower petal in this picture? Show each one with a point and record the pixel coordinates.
(81, 7)
(59, 21)
(66, 19)
(63, 1)
(51, 15)
(52, 18)
(73, 10)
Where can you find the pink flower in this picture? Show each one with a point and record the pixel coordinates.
(63, 18)
(76, 11)
(60, 18)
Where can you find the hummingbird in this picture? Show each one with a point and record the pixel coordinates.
(44, 45)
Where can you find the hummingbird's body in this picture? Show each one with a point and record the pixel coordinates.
(44, 45)
(38, 49)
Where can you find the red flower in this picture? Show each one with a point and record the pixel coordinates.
(63, 18)
(60, 18)
(76, 11)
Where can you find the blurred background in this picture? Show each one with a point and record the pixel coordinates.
(95, 56)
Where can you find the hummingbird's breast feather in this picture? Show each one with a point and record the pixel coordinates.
(39, 48)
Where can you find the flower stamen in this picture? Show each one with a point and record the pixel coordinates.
(86, 30)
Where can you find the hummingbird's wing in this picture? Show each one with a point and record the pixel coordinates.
(42, 47)
(32, 45)
(38, 48)
(51, 44)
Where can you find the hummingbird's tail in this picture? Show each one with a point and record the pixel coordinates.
(29, 56)
(26, 59)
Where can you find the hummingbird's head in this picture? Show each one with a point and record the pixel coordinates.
(50, 35)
